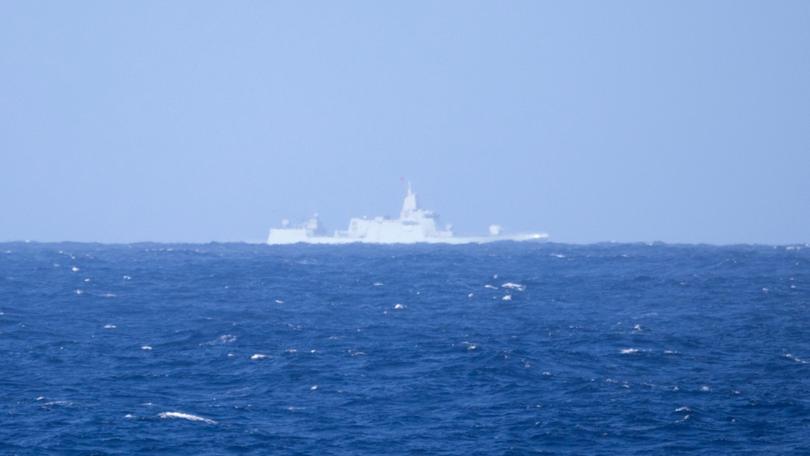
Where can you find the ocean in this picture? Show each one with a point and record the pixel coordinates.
(504, 348)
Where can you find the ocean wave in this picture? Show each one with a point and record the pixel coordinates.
(474, 358)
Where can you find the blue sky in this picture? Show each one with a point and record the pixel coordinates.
(680, 121)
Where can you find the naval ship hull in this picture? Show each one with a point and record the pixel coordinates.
(281, 239)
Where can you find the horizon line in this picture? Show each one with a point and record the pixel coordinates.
(505, 241)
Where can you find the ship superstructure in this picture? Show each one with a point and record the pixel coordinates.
(414, 225)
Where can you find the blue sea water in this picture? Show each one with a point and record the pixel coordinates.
(508, 348)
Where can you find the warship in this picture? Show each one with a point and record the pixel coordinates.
(414, 225)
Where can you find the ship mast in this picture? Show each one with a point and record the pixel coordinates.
(409, 205)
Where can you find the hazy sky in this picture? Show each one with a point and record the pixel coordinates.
(196, 121)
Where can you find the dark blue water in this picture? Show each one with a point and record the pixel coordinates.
(217, 349)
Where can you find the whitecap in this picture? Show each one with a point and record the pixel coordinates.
(491, 287)
(378, 284)
(59, 403)
(110, 326)
(87, 280)
(223, 339)
(795, 358)
(506, 298)
(226, 339)
(126, 277)
(258, 356)
(279, 301)
(470, 295)
(129, 416)
(74, 269)
(514, 286)
(637, 327)
(313, 387)
(683, 409)
(628, 351)
(78, 292)
(146, 347)
(186, 416)
(705, 388)
(399, 306)
(558, 255)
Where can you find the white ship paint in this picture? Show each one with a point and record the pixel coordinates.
(414, 225)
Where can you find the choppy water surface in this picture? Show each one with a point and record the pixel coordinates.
(503, 348)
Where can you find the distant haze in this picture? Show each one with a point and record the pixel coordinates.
(680, 121)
